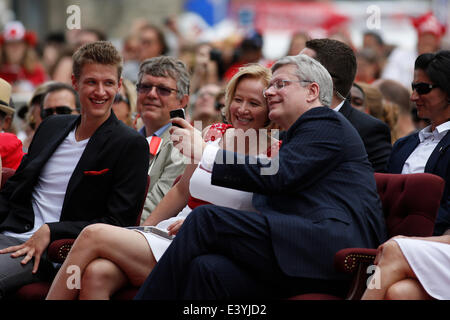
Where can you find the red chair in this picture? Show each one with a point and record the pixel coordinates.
(410, 205)
(57, 252)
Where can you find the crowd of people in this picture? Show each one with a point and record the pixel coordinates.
(269, 174)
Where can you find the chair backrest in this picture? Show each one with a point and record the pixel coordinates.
(6, 174)
(138, 221)
(410, 202)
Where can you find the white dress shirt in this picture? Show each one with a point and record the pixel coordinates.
(417, 160)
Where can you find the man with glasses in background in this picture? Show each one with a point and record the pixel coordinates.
(322, 199)
(163, 86)
(60, 98)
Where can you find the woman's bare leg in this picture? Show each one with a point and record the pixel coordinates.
(408, 289)
(392, 267)
(101, 279)
(127, 249)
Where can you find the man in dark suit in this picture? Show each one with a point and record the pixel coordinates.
(320, 198)
(79, 170)
(339, 59)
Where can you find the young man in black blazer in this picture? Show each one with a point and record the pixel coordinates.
(79, 170)
(340, 61)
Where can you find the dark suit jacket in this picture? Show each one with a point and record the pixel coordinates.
(438, 164)
(322, 198)
(374, 133)
(113, 197)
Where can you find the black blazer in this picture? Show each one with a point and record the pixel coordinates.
(322, 198)
(438, 163)
(374, 133)
(107, 185)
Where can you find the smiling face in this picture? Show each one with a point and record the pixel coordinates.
(287, 104)
(153, 107)
(248, 108)
(433, 105)
(97, 86)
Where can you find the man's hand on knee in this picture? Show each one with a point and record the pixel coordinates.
(34, 247)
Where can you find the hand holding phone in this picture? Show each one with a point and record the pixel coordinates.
(177, 113)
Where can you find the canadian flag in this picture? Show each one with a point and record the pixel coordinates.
(154, 144)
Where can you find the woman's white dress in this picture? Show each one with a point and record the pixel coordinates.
(430, 261)
(201, 188)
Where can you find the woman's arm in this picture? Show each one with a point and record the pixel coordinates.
(174, 201)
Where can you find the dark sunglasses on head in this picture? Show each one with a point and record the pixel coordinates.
(58, 110)
(423, 87)
(144, 88)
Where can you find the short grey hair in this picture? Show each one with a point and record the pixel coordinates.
(166, 66)
(311, 70)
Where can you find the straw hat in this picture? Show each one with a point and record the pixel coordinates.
(5, 96)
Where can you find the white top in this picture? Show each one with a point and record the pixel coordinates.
(417, 160)
(200, 187)
(339, 106)
(400, 66)
(49, 192)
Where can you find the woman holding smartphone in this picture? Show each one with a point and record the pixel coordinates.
(111, 257)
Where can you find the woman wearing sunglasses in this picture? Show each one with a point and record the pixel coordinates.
(410, 267)
(429, 149)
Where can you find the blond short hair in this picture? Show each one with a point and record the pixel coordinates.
(101, 52)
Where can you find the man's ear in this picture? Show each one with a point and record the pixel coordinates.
(184, 101)
(120, 83)
(74, 82)
(313, 92)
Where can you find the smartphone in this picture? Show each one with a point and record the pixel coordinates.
(154, 230)
(177, 113)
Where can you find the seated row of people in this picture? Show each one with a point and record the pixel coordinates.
(303, 207)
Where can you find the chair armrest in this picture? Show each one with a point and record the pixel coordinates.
(59, 249)
(355, 261)
(347, 260)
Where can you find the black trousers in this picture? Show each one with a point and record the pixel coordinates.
(222, 253)
(13, 274)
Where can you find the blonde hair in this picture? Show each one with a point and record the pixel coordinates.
(373, 101)
(253, 71)
(391, 111)
(380, 108)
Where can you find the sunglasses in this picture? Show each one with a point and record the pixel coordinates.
(58, 110)
(422, 87)
(143, 88)
(120, 98)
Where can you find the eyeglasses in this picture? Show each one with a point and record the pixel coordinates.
(280, 84)
(423, 87)
(144, 88)
(58, 110)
